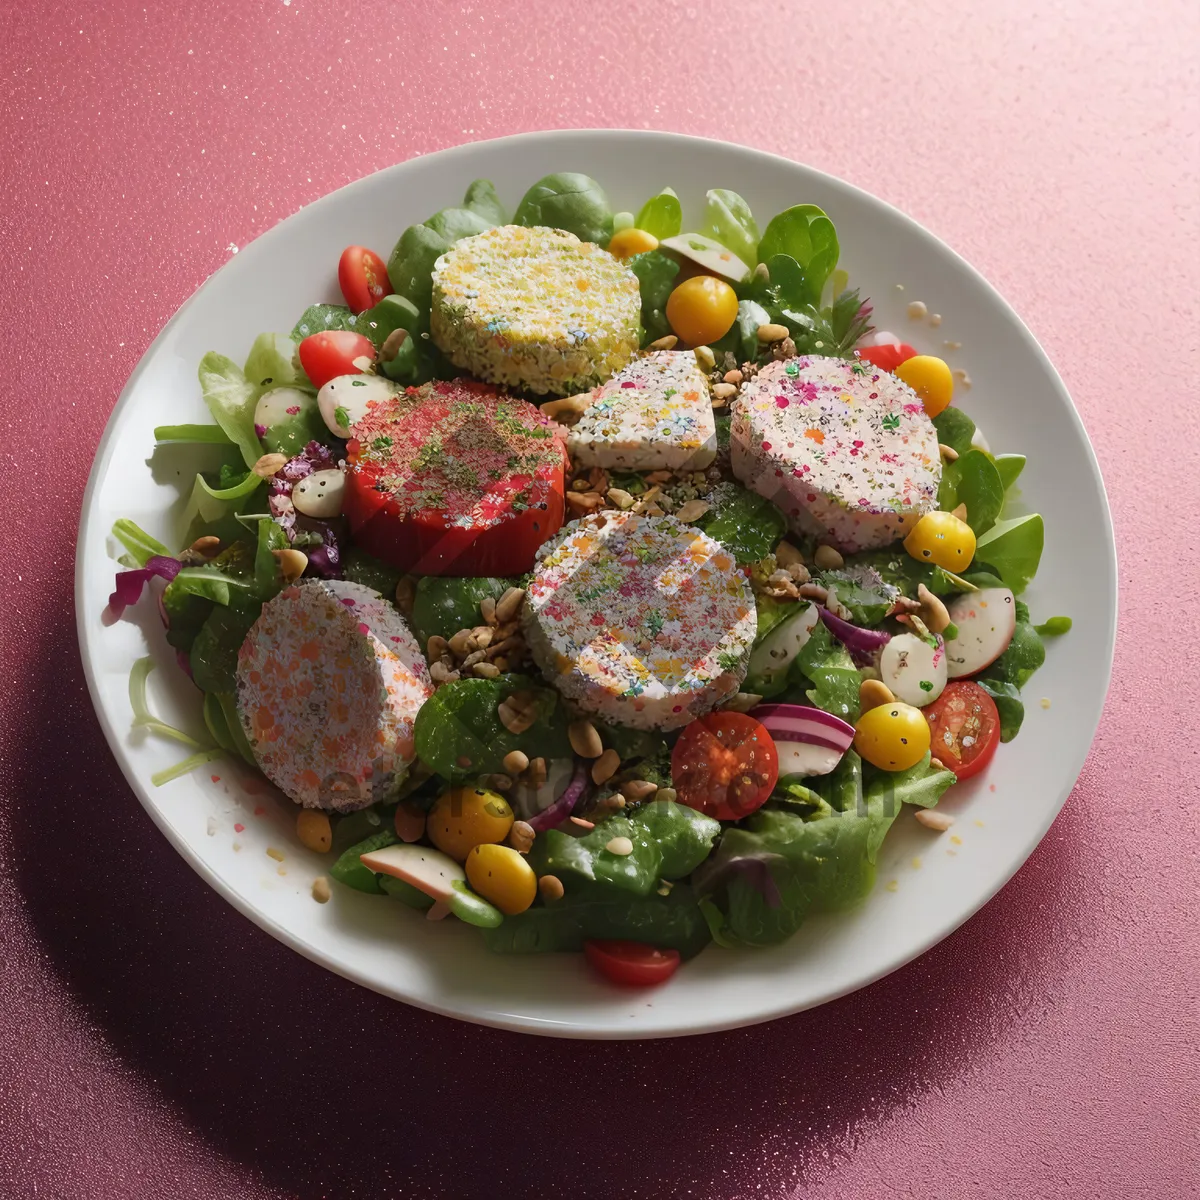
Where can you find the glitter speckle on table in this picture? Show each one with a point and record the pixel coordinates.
(157, 1045)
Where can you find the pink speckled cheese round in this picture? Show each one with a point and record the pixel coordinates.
(329, 683)
(643, 621)
(844, 448)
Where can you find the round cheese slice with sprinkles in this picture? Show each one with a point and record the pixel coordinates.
(844, 448)
(642, 621)
(535, 309)
(329, 681)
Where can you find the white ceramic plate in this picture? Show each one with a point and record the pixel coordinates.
(927, 886)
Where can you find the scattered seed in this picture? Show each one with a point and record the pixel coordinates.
(584, 501)
(391, 344)
(720, 402)
(786, 554)
(771, 333)
(874, 692)
(277, 855)
(734, 377)
(517, 714)
(314, 830)
(487, 609)
(460, 643)
(269, 464)
(206, 546)
(932, 819)
(761, 272)
(935, 319)
(580, 485)
(666, 793)
(619, 845)
(621, 498)
(828, 559)
(440, 673)
(952, 345)
(516, 761)
(536, 774)
(583, 823)
(520, 836)
(798, 572)
(705, 357)
(724, 391)
(933, 612)
(436, 647)
(962, 378)
(509, 605)
(813, 591)
(692, 510)
(551, 888)
(664, 343)
(638, 789)
(485, 670)
(1045, 702)
(292, 563)
(481, 636)
(948, 453)
(584, 739)
(917, 310)
(959, 511)
(605, 767)
(320, 890)
(936, 763)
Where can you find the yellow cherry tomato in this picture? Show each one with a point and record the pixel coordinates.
(930, 378)
(501, 875)
(702, 309)
(892, 737)
(629, 242)
(941, 538)
(466, 817)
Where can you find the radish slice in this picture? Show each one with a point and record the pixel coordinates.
(808, 740)
(796, 758)
(986, 620)
(429, 871)
(773, 656)
(914, 670)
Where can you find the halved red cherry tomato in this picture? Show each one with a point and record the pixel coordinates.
(325, 356)
(363, 278)
(964, 727)
(887, 357)
(724, 764)
(631, 963)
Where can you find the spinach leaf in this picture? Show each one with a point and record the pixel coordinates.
(863, 592)
(214, 653)
(482, 199)
(357, 826)
(1007, 697)
(671, 922)
(972, 479)
(669, 841)
(750, 315)
(459, 734)
(954, 429)
(804, 233)
(728, 220)
(360, 567)
(748, 525)
(1013, 549)
(570, 201)
(410, 267)
(391, 313)
(661, 215)
(1026, 652)
(1010, 467)
(317, 318)
(656, 277)
(444, 604)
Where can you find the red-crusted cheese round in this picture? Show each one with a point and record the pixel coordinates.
(454, 479)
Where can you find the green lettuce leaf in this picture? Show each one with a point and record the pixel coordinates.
(661, 215)
(728, 220)
(231, 397)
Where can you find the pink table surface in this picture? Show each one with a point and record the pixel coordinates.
(155, 1044)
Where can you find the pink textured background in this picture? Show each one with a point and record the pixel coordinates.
(155, 1044)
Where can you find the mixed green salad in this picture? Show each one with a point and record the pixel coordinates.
(607, 585)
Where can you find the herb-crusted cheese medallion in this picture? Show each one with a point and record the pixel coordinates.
(329, 681)
(641, 620)
(535, 309)
(655, 414)
(844, 448)
(454, 479)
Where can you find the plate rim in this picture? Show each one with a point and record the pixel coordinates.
(516, 1022)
